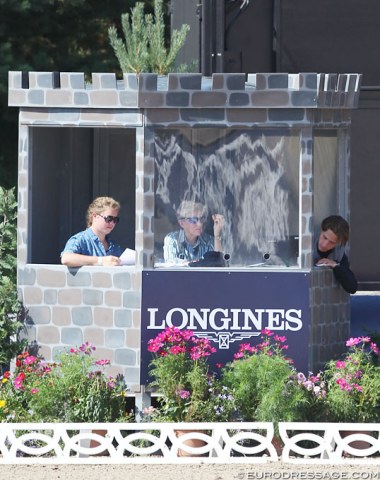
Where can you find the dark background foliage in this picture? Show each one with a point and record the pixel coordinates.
(51, 35)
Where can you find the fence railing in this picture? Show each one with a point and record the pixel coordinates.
(118, 443)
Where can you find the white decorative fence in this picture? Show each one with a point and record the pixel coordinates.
(118, 443)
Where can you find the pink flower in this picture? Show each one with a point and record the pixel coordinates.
(87, 348)
(154, 345)
(176, 349)
(30, 360)
(365, 339)
(352, 342)
(267, 332)
(184, 394)
(17, 382)
(102, 362)
(187, 334)
(280, 339)
(340, 364)
(34, 391)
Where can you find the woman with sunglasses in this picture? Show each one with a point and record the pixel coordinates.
(190, 243)
(94, 246)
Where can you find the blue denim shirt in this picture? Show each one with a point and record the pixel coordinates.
(176, 246)
(87, 243)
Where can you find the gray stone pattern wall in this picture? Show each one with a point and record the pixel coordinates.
(100, 305)
(222, 90)
(330, 313)
(68, 306)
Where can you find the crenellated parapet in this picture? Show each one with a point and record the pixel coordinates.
(186, 90)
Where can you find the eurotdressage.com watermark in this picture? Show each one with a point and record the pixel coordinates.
(356, 475)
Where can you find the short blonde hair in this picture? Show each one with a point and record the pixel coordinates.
(99, 205)
(188, 207)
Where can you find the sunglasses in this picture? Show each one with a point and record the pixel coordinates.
(194, 220)
(110, 218)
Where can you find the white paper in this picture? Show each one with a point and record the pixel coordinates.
(128, 257)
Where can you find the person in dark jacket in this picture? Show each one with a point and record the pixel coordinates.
(330, 251)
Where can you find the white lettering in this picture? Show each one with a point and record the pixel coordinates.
(194, 315)
(225, 320)
(275, 318)
(293, 316)
(152, 320)
(249, 316)
(183, 319)
(235, 318)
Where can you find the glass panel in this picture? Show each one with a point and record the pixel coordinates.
(249, 177)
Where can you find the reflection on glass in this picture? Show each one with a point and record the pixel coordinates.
(249, 178)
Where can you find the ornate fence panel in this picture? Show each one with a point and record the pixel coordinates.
(105, 443)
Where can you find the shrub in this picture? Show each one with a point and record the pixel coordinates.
(75, 389)
(180, 372)
(264, 382)
(12, 314)
(353, 383)
(144, 49)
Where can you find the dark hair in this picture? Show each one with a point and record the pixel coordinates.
(339, 226)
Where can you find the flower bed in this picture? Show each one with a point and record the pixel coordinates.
(257, 408)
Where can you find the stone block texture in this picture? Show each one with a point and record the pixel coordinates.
(147, 90)
(102, 305)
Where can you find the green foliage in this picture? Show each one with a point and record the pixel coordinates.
(353, 384)
(188, 393)
(50, 35)
(133, 56)
(264, 383)
(144, 49)
(11, 311)
(75, 389)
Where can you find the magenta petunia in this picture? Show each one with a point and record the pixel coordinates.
(352, 342)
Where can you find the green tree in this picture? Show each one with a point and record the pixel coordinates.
(145, 49)
(11, 310)
(50, 35)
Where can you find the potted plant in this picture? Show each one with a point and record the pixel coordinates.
(265, 384)
(187, 390)
(353, 389)
(265, 381)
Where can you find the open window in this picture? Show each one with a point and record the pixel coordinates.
(69, 168)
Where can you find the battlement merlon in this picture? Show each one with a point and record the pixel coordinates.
(184, 90)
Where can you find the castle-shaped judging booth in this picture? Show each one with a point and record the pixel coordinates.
(268, 153)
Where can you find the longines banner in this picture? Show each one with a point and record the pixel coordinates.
(229, 308)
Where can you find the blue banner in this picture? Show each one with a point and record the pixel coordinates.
(229, 308)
